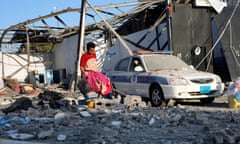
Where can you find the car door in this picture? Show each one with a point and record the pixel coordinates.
(137, 77)
(121, 76)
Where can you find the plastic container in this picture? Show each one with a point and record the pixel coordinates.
(91, 104)
(232, 102)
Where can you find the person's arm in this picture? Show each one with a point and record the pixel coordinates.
(82, 69)
(83, 74)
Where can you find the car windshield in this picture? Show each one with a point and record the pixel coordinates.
(164, 62)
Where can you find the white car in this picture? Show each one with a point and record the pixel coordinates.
(161, 77)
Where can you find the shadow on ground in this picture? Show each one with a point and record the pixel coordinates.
(195, 103)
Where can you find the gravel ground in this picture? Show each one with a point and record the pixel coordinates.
(184, 123)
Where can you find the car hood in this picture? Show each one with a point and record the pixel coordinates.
(187, 74)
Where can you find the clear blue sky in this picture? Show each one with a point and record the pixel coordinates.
(15, 11)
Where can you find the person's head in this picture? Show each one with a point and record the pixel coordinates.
(136, 62)
(91, 47)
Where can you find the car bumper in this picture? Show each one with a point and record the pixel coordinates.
(191, 92)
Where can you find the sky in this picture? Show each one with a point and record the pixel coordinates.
(15, 11)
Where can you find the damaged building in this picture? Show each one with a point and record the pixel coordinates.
(197, 31)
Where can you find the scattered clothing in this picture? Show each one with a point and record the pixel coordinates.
(22, 103)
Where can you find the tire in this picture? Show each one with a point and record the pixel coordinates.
(156, 96)
(207, 100)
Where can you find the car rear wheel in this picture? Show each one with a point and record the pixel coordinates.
(207, 100)
(156, 96)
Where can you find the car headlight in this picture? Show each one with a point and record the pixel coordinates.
(177, 81)
(218, 79)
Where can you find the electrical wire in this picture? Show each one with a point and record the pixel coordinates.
(221, 34)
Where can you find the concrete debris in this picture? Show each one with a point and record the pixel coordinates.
(151, 121)
(6, 141)
(54, 116)
(61, 137)
(21, 136)
(133, 102)
(85, 114)
(116, 123)
(45, 133)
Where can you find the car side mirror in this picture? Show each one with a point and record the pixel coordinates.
(138, 69)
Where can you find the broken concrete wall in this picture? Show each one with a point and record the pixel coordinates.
(16, 65)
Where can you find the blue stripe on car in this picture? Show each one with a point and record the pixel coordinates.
(151, 79)
(141, 79)
(120, 79)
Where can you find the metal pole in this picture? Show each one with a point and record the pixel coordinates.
(80, 41)
(28, 49)
(169, 24)
(3, 74)
(1, 39)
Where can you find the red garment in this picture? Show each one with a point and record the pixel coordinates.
(99, 83)
(96, 81)
(85, 57)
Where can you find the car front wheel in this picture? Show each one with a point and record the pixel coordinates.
(156, 96)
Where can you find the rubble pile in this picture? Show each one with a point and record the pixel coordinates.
(52, 115)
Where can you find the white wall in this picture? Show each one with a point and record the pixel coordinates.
(59, 55)
(16, 65)
(70, 45)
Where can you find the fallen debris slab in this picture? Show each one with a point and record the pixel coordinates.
(21, 136)
(5, 141)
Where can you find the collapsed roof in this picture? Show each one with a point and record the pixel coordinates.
(57, 25)
(53, 27)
